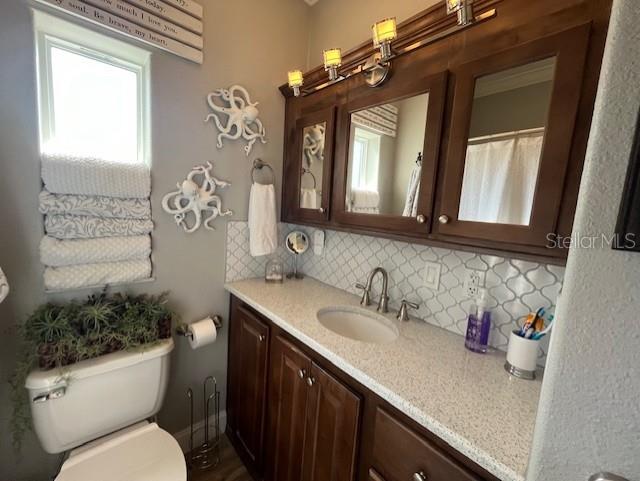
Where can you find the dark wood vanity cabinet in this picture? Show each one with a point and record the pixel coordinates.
(247, 395)
(331, 431)
(401, 454)
(313, 420)
(493, 120)
(287, 409)
(317, 423)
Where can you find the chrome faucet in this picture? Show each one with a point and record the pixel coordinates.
(383, 304)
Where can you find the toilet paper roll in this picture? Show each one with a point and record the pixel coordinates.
(203, 332)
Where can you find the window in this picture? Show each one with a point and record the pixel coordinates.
(93, 93)
(366, 160)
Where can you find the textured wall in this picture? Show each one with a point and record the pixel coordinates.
(238, 36)
(589, 414)
(515, 287)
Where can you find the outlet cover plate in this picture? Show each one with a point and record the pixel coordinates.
(473, 282)
(431, 277)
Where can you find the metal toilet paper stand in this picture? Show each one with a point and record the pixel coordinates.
(207, 454)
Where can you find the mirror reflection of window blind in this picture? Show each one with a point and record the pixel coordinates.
(171, 25)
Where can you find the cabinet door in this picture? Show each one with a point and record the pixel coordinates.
(331, 431)
(287, 410)
(249, 354)
(400, 454)
(510, 141)
(308, 193)
(387, 153)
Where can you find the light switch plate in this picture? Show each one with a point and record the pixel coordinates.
(431, 277)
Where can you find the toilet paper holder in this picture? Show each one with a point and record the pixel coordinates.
(182, 329)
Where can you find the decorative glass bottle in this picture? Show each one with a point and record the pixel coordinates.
(274, 271)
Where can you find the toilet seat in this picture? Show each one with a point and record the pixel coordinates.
(143, 452)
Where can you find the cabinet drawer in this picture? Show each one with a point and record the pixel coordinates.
(399, 454)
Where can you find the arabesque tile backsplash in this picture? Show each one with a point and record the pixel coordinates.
(515, 287)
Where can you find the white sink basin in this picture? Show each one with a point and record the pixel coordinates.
(358, 324)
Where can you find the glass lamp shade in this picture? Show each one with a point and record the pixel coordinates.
(384, 31)
(295, 78)
(332, 58)
(453, 5)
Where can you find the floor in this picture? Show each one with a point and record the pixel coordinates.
(229, 469)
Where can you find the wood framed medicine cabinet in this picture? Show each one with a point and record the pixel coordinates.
(424, 97)
(540, 81)
(522, 81)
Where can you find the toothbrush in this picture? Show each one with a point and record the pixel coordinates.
(531, 319)
(541, 334)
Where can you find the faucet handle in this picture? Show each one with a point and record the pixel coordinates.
(403, 312)
(366, 294)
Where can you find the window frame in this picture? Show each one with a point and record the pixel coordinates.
(53, 32)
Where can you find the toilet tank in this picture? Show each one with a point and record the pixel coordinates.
(82, 402)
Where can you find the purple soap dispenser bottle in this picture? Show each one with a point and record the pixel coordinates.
(478, 325)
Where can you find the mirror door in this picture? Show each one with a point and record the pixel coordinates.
(509, 147)
(314, 136)
(389, 148)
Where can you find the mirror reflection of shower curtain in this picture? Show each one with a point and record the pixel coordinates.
(500, 179)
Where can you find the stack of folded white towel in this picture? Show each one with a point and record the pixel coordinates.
(365, 202)
(97, 222)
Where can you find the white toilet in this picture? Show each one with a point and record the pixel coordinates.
(99, 410)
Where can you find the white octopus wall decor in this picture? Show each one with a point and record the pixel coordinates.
(4, 286)
(242, 117)
(196, 197)
(313, 144)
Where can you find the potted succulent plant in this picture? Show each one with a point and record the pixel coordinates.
(60, 334)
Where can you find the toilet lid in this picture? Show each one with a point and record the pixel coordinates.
(146, 453)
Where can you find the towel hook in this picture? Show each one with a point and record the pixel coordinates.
(259, 164)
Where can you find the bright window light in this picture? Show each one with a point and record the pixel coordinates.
(93, 93)
(95, 108)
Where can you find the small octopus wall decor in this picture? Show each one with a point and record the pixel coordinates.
(196, 194)
(241, 117)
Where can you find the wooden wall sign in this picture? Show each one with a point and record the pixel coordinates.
(171, 25)
(628, 225)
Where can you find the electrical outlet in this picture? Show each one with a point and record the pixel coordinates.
(431, 278)
(473, 282)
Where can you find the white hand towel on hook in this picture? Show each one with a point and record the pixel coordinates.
(263, 227)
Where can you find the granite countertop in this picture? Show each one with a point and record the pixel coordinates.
(466, 399)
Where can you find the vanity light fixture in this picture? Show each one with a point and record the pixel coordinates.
(464, 10)
(296, 80)
(332, 61)
(385, 32)
(378, 67)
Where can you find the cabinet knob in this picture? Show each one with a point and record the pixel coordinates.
(443, 219)
(311, 381)
(421, 219)
(302, 373)
(420, 476)
(321, 210)
(261, 337)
